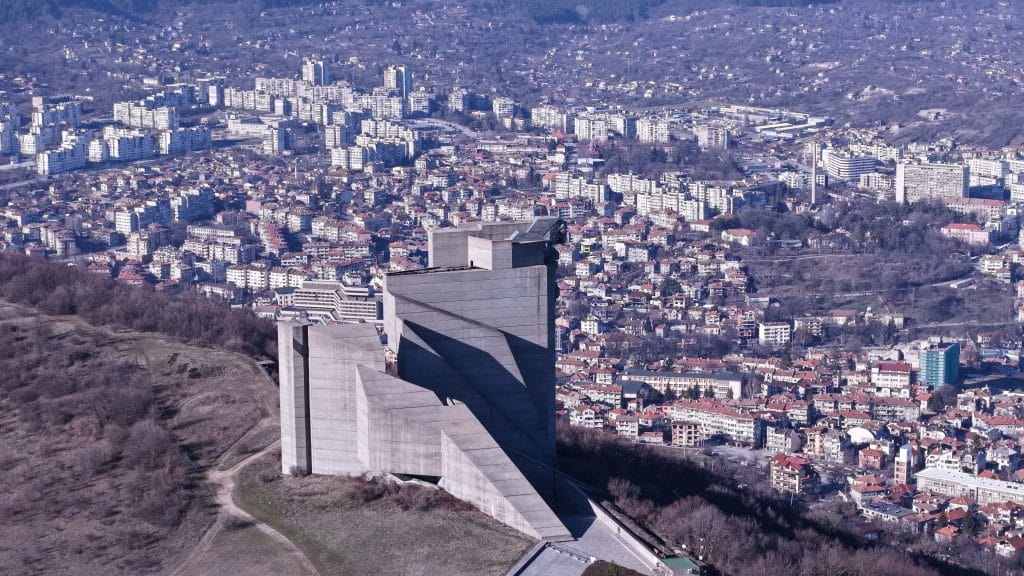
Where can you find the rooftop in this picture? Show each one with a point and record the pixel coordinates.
(943, 475)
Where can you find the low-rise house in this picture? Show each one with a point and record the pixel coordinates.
(872, 459)
(628, 427)
(885, 512)
(793, 474)
(605, 394)
(781, 440)
(686, 434)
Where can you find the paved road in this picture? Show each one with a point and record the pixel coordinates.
(859, 294)
(23, 183)
(449, 125)
(741, 455)
(793, 258)
(594, 539)
(966, 323)
(25, 164)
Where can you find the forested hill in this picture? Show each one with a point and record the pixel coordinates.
(542, 11)
(601, 11)
(17, 11)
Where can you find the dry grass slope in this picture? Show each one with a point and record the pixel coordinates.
(349, 526)
(105, 436)
(101, 437)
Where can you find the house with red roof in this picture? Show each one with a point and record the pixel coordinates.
(967, 233)
(793, 474)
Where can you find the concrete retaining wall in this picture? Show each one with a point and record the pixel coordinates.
(627, 538)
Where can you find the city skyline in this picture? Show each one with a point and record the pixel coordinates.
(567, 288)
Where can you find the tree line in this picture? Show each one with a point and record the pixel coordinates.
(748, 531)
(68, 290)
(541, 11)
(19, 11)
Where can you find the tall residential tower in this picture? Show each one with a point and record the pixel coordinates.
(316, 71)
(940, 363)
(398, 79)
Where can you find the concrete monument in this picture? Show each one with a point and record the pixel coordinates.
(459, 388)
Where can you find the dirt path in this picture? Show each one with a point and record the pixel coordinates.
(222, 483)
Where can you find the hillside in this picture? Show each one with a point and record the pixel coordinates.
(544, 12)
(338, 522)
(102, 436)
(740, 528)
(132, 452)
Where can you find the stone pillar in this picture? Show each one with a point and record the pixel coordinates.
(293, 367)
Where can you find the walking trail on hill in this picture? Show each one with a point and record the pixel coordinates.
(208, 556)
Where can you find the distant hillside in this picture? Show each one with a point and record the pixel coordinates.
(598, 11)
(783, 2)
(555, 11)
(541, 11)
(18, 11)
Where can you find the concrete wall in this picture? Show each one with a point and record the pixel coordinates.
(495, 328)
(497, 346)
(291, 342)
(449, 246)
(364, 420)
(528, 254)
(490, 254)
(477, 470)
(473, 398)
(627, 538)
(465, 481)
(396, 425)
(512, 300)
(334, 352)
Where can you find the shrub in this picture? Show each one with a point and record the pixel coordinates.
(413, 497)
(362, 489)
(94, 457)
(147, 445)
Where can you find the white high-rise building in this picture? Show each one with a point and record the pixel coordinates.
(350, 158)
(503, 107)
(71, 155)
(420, 102)
(847, 167)
(988, 172)
(316, 71)
(711, 137)
(398, 79)
(589, 128)
(652, 130)
(8, 137)
(552, 118)
(916, 182)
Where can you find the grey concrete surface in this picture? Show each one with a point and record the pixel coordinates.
(470, 396)
(594, 541)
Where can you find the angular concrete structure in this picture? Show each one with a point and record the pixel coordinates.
(458, 389)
